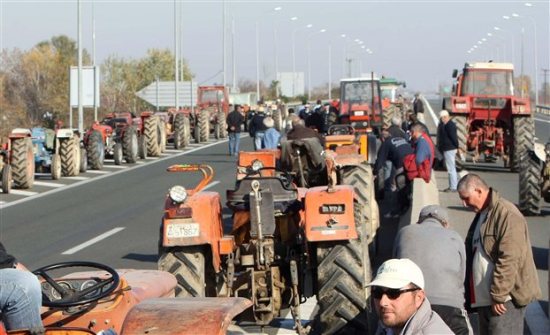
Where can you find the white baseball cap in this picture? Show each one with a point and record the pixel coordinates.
(398, 273)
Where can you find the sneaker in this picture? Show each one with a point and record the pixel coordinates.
(448, 190)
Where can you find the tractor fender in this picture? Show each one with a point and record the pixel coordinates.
(184, 316)
(329, 214)
(20, 132)
(200, 219)
(65, 133)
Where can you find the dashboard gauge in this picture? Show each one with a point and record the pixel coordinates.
(87, 284)
(56, 295)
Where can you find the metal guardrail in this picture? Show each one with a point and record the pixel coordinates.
(543, 109)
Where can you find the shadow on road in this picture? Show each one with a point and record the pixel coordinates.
(541, 257)
(147, 258)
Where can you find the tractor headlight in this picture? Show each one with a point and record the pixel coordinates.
(178, 194)
(257, 165)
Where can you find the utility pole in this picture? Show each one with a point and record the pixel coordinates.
(80, 93)
(223, 45)
(176, 56)
(546, 91)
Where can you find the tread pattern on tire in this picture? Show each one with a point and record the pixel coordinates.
(530, 193)
(151, 130)
(222, 122)
(130, 145)
(524, 139)
(22, 163)
(95, 150)
(179, 131)
(204, 126)
(70, 164)
(188, 266)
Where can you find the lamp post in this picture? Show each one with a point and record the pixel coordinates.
(294, 55)
(309, 61)
(498, 29)
(257, 63)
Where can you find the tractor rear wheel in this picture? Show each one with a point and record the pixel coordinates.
(179, 131)
(204, 126)
(83, 160)
(22, 163)
(95, 150)
(530, 192)
(361, 178)
(69, 152)
(343, 270)
(524, 132)
(186, 131)
(142, 147)
(188, 265)
(6, 179)
(461, 133)
(130, 146)
(152, 136)
(222, 123)
(118, 154)
(55, 168)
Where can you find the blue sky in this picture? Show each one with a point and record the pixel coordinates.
(417, 41)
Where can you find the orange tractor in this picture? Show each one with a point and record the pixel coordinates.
(86, 298)
(492, 122)
(361, 104)
(287, 244)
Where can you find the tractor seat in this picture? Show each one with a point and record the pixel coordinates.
(283, 197)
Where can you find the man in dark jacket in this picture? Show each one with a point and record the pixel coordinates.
(299, 131)
(234, 121)
(20, 295)
(447, 143)
(418, 107)
(257, 128)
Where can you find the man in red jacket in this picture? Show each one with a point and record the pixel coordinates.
(424, 152)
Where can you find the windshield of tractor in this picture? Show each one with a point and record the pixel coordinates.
(213, 96)
(487, 82)
(358, 92)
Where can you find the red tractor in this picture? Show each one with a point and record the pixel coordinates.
(361, 105)
(160, 128)
(490, 119)
(118, 135)
(212, 109)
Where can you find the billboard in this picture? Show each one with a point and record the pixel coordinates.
(291, 84)
(90, 86)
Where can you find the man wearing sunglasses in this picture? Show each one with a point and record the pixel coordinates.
(400, 301)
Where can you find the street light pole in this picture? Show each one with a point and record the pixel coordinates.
(80, 95)
(176, 56)
(223, 45)
(329, 71)
(93, 59)
(294, 54)
(257, 63)
(309, 61)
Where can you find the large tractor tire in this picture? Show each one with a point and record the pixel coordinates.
(217, 131)
(83, 160)
(361, 178)
(387, 115)
(278, 120)
(179, 131)
(69, 151)
(222, 123)
(204, 126)
(461, 133)
(118, 154)
(152, 136)
(188, 265)
(343, 270)
(6, 179)
(55, 168)
(530, 177)
(22, 163)
(130, 145)
(95, 151)
(186, 131)
(163, 139)
(524, 140)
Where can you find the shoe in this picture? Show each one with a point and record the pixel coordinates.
(448, 190)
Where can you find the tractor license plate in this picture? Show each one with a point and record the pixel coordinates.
(179, 230)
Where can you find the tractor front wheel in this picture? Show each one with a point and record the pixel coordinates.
(83, 160)
(69, 152)
(222, 124)
(152, 136)
(130, 146)
(461, 133)
(204, 126)
(6, 178)
(142, 147)
(188, 265)
(179, 131)
(95, 150)
(118, 154)
(22, 163)
(55, 168)
(524, 140)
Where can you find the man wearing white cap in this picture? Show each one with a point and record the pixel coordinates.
(400, 301)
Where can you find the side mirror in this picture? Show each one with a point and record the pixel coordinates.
(455, 73)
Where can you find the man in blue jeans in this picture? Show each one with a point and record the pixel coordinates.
(234, 122)
(447, 143)
(20, 295)
(257, 128)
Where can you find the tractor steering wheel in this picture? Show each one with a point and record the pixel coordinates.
(341, 129)
(70, 297)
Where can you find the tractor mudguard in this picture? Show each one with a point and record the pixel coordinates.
(329, 215)
(64, 133)
(20, 132)
(184, 316)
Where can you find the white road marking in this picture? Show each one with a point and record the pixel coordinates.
(115, 166)
(165, 154)
(21, 192)
(43, 183)
(92, 241)
(172, 150)
(97, 171)
(89, 180)
(77, 178)
(151, 158)
(541, 120)
(434, 117)
(536, 319)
